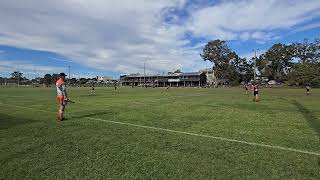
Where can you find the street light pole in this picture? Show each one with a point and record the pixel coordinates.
(255, 64)
(69, 74)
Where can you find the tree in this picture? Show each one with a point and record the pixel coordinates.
(54, 78)
(220, 55)
(263, 67)
(276, 61)
(17, 75)
(303, 74)
(307, 52)
(232, 75)
(83, 80)
(47, 79)
(244, 69)
(317, 45)
(73, 81)
(177, 71)
(37, 80)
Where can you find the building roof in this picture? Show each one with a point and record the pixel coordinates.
(165, 75)
(191, 74)
(206, 70)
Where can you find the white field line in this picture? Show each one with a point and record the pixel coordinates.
(188, 133)
(210, 137)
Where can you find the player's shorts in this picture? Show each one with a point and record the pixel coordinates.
(255, 93)
(61, 100)
(308, 90)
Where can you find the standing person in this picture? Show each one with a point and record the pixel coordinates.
(255, 93)
(115, 85)
(61, 95)
(246, 88)
(308, 90)
(92, 86)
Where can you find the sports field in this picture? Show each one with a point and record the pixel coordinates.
(160, 134)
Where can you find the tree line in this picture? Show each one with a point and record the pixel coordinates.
(296, 64)
(48, 79)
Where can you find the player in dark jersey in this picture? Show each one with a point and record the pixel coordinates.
(246, 88)
(308, 90)
(92, 87)
(115, 85)
(255, 93)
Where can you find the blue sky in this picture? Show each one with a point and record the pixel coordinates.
(109, 38)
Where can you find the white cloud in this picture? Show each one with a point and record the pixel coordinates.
(29, 69)
(113, 35)
(306, 27)
(251, 19)
(119, 35)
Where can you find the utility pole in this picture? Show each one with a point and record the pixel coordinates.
(34, 76)
(18, 74)
(255, 64)
(69, 74)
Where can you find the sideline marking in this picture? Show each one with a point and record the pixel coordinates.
(210, 137)
(187, 133)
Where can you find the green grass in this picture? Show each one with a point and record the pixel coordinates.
(34, 145)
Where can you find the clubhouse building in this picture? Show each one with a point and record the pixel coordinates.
(191, 79)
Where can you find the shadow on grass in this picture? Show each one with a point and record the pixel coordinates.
(313, 121)
(7, 121)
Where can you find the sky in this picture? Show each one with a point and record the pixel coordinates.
(115, 37)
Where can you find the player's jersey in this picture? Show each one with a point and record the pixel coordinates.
(61, 87)
(255, 90)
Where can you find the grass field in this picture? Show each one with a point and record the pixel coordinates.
(158, 134)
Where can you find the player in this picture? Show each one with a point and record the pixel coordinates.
(115, 85)
(92, 87)
(255, 93)
(246, 88)
(308, 90)
(62, 95)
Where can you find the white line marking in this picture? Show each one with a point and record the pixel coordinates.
(211, 137)
(188, 133)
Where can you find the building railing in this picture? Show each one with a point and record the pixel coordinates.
(158, 80)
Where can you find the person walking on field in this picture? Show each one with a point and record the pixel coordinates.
(115, 85)
(246, 88)
(308, 90)
(92, 87)
(255, 93)
(61, 95)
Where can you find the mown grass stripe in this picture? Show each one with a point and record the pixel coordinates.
(187, 133)
(210, 137)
